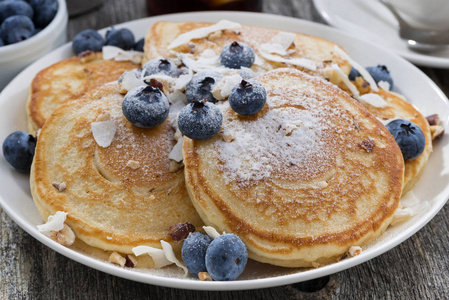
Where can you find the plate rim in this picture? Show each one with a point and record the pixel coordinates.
(414, 57)
(238, 284)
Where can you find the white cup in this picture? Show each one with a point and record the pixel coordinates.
(428, 14)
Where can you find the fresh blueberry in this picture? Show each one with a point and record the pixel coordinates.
(138, 46)
(160, 66)
(86, 40)
(381, 73)
(18, 150)
(122, 38)
(248, 97)
(16, 29)
(10, 8)
(237, 55)
(246, 73)
(226, 257)
(201, 85)
(194, 252)
(145, 106)
(353, 74)
(200, 120)
(409, 137)
(44, 11)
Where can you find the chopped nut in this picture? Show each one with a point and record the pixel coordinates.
(436, 131)
(60, 186)
(175, 166)
(433, 119)
(228, 138)
(156, 84)
(368, 145)
(354, 251)
(180, 231)
(204, 276)
(117, 259)
(133, 164)
(104, 116)
(65, 236)
(131, 261)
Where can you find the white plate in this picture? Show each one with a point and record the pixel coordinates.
(15, 193)
(370, 20)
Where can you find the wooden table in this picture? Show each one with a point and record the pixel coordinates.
(416, 269)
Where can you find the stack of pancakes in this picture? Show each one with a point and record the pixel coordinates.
(309, 176)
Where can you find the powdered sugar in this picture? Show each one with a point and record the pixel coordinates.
(290, 139)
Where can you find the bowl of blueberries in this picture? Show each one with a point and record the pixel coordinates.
(28, 30)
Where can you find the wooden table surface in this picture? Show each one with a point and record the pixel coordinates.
(416, 269)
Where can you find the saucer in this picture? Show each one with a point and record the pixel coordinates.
(371, 21)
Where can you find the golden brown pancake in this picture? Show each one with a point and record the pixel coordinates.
(300, 182)
(117, 197)
(319, 50)
(68, 80)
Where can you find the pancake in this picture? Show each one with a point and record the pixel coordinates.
(398, 108)
(319, 51)
(117, 197)
(302, 181)
(67, 80)
(322, 52)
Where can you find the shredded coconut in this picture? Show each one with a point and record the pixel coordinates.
(118, 54)
(54, 223)
(203, 32)
(176, 153)
(301, 62)
(211, 232)
(373, 100)
(346, 81)
(104, 132)
(365, 74)
(168, 250)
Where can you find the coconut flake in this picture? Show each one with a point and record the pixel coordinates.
(118, 54)
(346, 81)
(130, 81)
(103, 132)
(158, 255)
(385, 85)
(301, 62)
(211, 232)
(170, 255)
(54, 223)
(365, 74)
(202, 32)
(285, 39)
(176, 152)
(223, 88)
(373, 100)
(183, 80)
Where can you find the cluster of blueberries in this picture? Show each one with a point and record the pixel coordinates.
(200, 119)
(91, 40)
(224, 257)
(21, 19)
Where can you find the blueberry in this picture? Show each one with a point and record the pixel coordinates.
(44, 11)
(145, 106)
(194, 252)
(381, 73)
(15, 8)
(138, 46)
(237, 55)
(1, 42)
(353, 74)
(226, 257)
(160, 66)
(87, 39)
(122, 38)
(409, 137)
(201, 85)
(16, 29)
(200, 120)
(248, 97)
(18, 150)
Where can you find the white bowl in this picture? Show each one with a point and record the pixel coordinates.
(15, 57)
